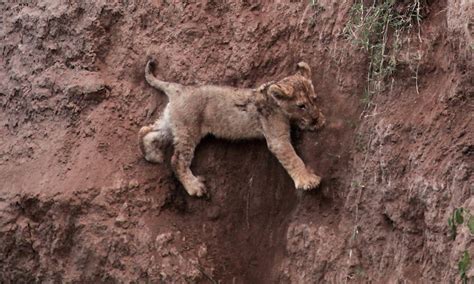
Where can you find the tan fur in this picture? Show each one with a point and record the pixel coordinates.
(232, 113)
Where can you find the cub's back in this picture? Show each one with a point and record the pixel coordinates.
(230, 113)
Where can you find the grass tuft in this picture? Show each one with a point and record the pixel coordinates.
(378, 29)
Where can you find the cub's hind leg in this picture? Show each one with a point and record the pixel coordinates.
(153, 139)
(184, 146)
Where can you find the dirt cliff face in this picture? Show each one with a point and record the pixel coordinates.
(79, 203)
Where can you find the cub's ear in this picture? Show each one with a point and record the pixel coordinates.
(304, 69)
(279, 93)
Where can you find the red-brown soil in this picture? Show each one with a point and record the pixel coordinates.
(79, 204)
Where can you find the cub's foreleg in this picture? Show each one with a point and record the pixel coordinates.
(279, 143)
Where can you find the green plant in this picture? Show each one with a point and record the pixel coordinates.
(359, 271)
(470, 224)
(457, 218)
(463, 266)
(369, 28)
(317, 9)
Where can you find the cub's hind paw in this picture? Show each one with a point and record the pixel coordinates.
(154, 157)
(144, 131)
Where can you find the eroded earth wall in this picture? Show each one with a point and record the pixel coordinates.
(78, 202)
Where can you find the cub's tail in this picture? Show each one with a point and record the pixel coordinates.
(170, 89)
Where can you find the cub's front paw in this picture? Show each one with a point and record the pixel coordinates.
(196, 188)
(307, 182)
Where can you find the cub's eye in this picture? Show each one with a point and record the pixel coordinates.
(302, 106)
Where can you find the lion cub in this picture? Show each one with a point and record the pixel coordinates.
(232, 113)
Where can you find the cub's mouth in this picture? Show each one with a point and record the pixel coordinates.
(314, 124)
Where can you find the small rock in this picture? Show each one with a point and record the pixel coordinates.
(121, 221)
(163, 239)
(202, 251)
(213, 213)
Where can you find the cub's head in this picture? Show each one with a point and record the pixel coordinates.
(296, 98)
